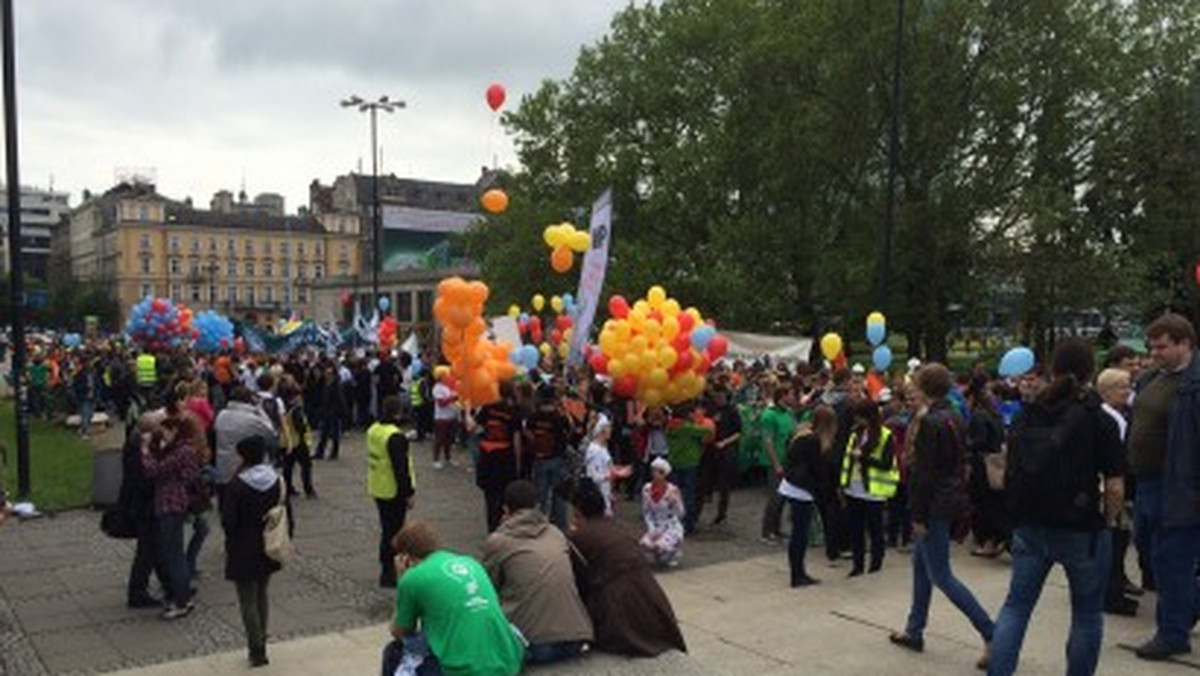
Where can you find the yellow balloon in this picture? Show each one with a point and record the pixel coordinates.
(876, 318)
(545, 349)
(514, 311)
(538, 302)
(672, 394)
(649, 360)
(624, 330)
(656, 296)
(550, 235)
(638, 344)
(695, 315)
(652, 330)
(670, 327)
(831, 345)
(580, 242)
(556, 302)
(667, 357)
(656, 377)
(670, 308)
(616, 367)
(641, 307)
(637, 322)
(564, 348)
(608, 342)
(652, 397)
(568, 335)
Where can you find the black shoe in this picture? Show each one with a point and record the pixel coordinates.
(144, 602)
(915, 644)
(387, 582)
(1125, 607)
(1148, 584)
(719, 520)
(805, 581)
(1132, 589)
(1155, 650)
(855, 573)
(318, 457)
(293, 493)
(259, 659)
(310, 494)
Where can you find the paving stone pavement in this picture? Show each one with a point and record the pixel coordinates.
(62, 582)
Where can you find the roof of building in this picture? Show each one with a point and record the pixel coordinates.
(203, 218)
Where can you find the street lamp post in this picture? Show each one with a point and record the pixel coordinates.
(373, 107)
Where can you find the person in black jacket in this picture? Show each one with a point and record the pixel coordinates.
(332, 410)
(936, 497)
(136, 499)
(804, 484)
(248, 497)
(389, 480)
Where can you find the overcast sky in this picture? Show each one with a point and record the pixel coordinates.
(208, 93)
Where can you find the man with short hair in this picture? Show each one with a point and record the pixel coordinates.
(529, 561)
(463, 628)
(1163, 443)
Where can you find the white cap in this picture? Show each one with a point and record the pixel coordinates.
(885, 395)
(914, 364)
(661, 465)
(858, 369)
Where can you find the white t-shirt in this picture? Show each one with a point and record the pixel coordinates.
(598, 464)
(790, 490)
(443, 391)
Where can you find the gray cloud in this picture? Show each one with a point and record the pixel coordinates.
(206, 92)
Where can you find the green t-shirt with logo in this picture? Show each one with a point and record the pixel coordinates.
(460, 616)
(778, 425)
(685, 445)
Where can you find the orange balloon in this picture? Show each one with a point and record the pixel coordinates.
(562, 259)
(495, 201)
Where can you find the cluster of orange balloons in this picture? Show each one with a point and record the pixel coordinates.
(388, 327)
(657, 351)
(477, 364)
(564, 242)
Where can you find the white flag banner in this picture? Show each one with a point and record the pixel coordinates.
(591, 278)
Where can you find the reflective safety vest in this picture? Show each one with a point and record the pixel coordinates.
(880, 483)
(381, 479)
(414, 392)
(147, 369)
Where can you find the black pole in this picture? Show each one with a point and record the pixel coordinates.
(889, 222)
(375, 220)
(16, 269)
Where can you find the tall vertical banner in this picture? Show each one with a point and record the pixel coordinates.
(591, 278)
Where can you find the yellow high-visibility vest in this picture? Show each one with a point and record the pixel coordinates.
(381, 479)
(880, 483)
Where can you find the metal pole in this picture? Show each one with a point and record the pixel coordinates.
(16, 269)
(375, 224)
(881, 294)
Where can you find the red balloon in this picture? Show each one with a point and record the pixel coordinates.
(704, 364)
(599, 363)
(682, 343)
(563, 322)
(686, 322)
(346, 299)
(656, 315)
(626, 385)
(717, 346)
(225, 343)
(555, 337)
(495, 96)
(158, 305)
(684, 362)
(535, 323)
(536, 335)
(618, 307)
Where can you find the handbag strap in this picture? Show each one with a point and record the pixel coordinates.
(282, 492)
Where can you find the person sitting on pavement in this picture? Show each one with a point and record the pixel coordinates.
(630, 613)
(662, 510)
(463, 630)
(529, 562)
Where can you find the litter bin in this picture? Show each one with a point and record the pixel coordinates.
(106, 477)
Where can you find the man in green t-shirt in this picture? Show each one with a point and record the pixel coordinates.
(778, 424)
(462, 628)
(686, 437)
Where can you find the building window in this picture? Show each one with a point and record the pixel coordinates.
(195, 245)
(267, 247)
(147, 291)
(250, 295)
(175, 266)
(145, 265)
(194, 268)
(268, 294)
(344, 267)
(318, 248)
(212, 244)
(424, 306)
(268, 268)
(249, 247)
(287, 295)
(231, 269)
(299, 248)
(232, 245)
(195, 293)
(404, 306)
(249, 268)
(301, 270)
(143, 212)
(284, 248)
(318, 270)
(301, 295)
(176, 292)
(144, 242)
(212, 294)
(174, 243)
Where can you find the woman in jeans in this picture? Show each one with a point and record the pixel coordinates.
(936, 497)
(170, 462)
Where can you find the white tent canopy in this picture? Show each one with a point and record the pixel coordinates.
(754, 345)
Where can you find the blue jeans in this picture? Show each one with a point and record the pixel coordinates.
(1086, 558)
(931, 568)
(87, 408)
(1175, 555)
(196, 543)
(546, 475)
(1147, 519)
(546, 653)
(331, 430)
(798, 542)
(415, 644)
(685, 479)
(170, 547)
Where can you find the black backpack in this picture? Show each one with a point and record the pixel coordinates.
(1051, 477)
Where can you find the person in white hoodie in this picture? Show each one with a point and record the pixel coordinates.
(254, 490)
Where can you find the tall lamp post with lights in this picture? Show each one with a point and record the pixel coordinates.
(373, 107)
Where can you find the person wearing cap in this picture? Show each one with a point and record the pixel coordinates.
(598, 461)
(663, 511)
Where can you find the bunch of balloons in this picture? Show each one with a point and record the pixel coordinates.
(656, 351)
(72, 340)
(214, 332)
(564, 242)
(876, 334)
(476, 363)
(158, 323)
(388, 326)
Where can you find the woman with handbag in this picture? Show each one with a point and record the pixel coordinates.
(169, 460)
(985, 438)
(252, 493)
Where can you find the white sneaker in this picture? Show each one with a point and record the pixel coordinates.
(438, 465)
(174, 612)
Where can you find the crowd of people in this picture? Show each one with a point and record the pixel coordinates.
(865, 463)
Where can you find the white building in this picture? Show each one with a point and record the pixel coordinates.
(40, 210)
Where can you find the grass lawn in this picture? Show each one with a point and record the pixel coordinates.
(60, 462)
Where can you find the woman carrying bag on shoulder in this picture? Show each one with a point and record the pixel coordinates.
(252, 493)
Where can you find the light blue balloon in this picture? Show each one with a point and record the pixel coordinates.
(530, 356)
(882, 358)
(1016, 362)
(701, 335)
(515, 356)
(384, 303)
(876, 333)
(524, 318)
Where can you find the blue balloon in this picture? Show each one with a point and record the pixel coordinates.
(701, 335)
(515, 356)
(1016, 362)
(530, 356)
(876, 333)
(384, 303)
(524, 318)
(882, 358)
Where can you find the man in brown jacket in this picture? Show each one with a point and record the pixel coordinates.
(529, 562)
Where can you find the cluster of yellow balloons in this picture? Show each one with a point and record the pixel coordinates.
(564, 242)
(477, 364)
(655, 350)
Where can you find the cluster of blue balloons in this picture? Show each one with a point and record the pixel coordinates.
(72, 340)
(215, 332)
(701, 336)
(155, 322)
(1017, 362)
(526, 357)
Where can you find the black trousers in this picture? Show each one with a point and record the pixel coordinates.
(865, 518)
(392, 514)
(833, 524)
(299, 455)
(146, 560)
(718, 468)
